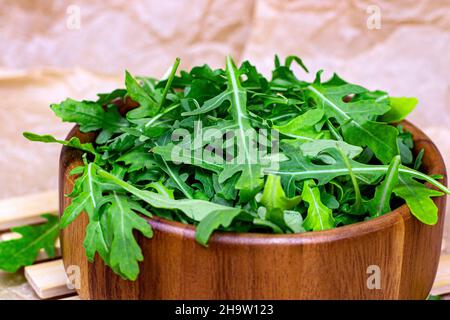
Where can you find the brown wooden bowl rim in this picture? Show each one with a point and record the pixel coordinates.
(187, 231)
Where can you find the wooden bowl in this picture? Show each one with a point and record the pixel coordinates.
(332, 264)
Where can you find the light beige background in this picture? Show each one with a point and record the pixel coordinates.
(43, 59)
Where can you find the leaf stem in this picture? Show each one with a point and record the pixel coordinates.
(358, 200)
(423, 176)
(169, 83)
(333, 130)
(367, 169)
(159, 115)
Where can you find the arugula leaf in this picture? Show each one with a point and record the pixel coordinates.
(149, 105)
(357, 206)
(274, 197)
(23, 251)
(356, 118)
(213, 221)
(194, 209)
(73, 142)
(250, 180)
(418, 198)
(275, 201)
(405, 144)
(380, 203)
(105, 98)
(294, 221)
(319, 216)
(86, 192)
(300, 167)
(87, 196)
(317, 149)
(162, 189)
(304, 126)
(400, 108)
(138, 159)
(290, 59)
(174, 175)
(125, 251)
(91, 116)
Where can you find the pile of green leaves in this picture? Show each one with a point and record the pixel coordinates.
(341, 159)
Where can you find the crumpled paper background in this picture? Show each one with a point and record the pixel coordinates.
(57, 49)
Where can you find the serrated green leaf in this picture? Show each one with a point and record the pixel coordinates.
(213, 221)
(356, 118)
(148, 106)
(319, 216)
(91, 116)
(125, 251)
(23, 251)
(418, 198)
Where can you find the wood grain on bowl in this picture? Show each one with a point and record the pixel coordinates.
(332, 264)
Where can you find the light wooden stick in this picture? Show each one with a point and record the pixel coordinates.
(71, 298)
(42, 254)
(442, 282)
(27, 209)
(48, 279)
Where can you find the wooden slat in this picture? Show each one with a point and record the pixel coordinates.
(27, 209)
(442, 282)
(42, 254)
(48, 279)
(71, 298)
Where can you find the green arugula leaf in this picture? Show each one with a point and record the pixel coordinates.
(105, 98)
(317, 149)
(319, 216)
(87, 196)
(250, 180)
(304, 126)
(356, 118)
(125, 251)
(212, 222)
(73, 142)
(91, 116)
(290, 59)
(138, 159)
(418, 198)
(194, 209)
(400, 108)
(294, 221)
(162, 189)
(23, 251)
(174, 175)
(148, 106)
(274, 197)
(380, 203)
(300, 167)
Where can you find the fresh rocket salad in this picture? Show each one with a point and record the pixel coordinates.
(232, 150)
